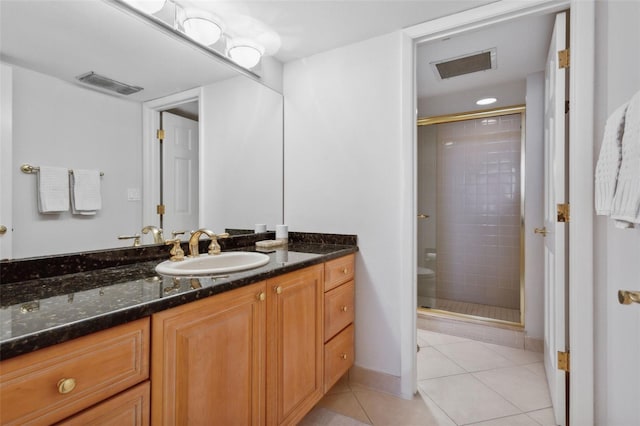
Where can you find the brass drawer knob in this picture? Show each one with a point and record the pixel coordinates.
(344, 308)
(261, 296)
(343, 356)
(278, 289)
(66, 385)
(345, 271)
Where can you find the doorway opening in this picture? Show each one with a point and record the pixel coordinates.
(470, 214)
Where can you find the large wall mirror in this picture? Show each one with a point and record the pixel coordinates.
(232, 119)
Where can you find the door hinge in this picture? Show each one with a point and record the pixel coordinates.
(566, 107)
(160, 134)
(160, 209)
(563, 59)
(563, 212)
(564, 360)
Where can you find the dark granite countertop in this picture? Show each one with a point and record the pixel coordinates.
(36, 313)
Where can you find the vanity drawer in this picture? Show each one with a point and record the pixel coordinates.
(93, 368)
(338, 357)
(338, 271)
(338, 309)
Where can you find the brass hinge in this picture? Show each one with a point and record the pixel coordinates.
(160, 209)
(564, 360)
(563, 212)
(563, 59)
(160, 134)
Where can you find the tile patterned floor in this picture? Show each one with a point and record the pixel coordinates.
(460, 382)
(478, 310)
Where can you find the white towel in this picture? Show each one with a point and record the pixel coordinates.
(86, 196)
(53, 189)
(609, 160)
(626, 203)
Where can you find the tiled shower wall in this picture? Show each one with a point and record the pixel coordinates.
(478, 211)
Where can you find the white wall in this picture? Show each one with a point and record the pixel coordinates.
(616, 251)
(59, 124)
(240, 153)
(344, 174)
(533, 208)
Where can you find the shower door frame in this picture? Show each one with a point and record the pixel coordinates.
(474, 115)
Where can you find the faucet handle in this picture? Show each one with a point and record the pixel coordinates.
(175, 234)
(176, 252)
(214, 247)
(135, 238)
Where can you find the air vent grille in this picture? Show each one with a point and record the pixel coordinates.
(467, 64)
(106, 83)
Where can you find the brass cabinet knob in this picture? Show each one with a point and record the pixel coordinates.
(345, 271)
(423, 216)
(261, 296)
(542, 231)
(344, 308)
(3, 229)
(343, 356)
(278, 289)
(66, 385)
(626, 297)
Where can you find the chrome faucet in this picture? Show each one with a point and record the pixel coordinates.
(214, 247)
(156, 232)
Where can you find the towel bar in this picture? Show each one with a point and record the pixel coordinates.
(29, 169)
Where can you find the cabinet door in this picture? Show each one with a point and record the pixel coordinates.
(208, 361)
(294, 315)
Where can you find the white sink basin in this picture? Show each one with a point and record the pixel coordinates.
(206, 264)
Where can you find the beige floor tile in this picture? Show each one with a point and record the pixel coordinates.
(323, 417)
(466, 399)
(432, 363)
(474, 356)
(543, 417)
(519, 385)
(341, 386)
(517, 356)
(519, 420)
(432, 338)
(537, 368)
(344, 403)
(387, 410)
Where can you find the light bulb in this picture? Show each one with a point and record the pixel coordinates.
(202, 30)
(147, 6)
(486, 101)
(244, 55)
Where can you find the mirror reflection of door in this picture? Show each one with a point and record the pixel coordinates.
(179, 169)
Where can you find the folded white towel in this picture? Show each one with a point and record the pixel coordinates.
(626, 203)
(609, 160)
(86, 196)
(53, 189)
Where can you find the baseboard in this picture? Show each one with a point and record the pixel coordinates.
(533, 344)
(375, 380)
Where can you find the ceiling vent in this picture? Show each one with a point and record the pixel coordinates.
(106, 83)
(466, 64)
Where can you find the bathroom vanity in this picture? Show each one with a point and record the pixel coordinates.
(123, 345)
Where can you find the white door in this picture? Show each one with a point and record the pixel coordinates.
(6, 161)
(555, 335)
(180, 174)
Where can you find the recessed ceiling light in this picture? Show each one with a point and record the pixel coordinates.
(486, 101)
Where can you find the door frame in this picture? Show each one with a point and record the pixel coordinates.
(581, 72)
(151, 153)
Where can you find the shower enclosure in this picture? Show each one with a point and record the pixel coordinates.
(470, 203)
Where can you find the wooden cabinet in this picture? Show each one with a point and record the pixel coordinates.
(295, 348)
(48, 385)
(208, 362)
(339, 298)
(129, 408)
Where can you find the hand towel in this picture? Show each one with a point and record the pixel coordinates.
(608, 165)
(626, 202)
(53, 189)
(86, 196)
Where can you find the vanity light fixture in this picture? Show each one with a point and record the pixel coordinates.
(245, 54)
(202, 30)
(486, 101)
(147, 6)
